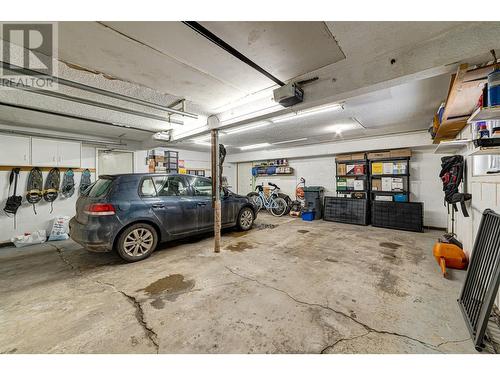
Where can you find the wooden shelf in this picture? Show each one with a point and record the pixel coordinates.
(485, 114)
(465, 89)
(43, 169)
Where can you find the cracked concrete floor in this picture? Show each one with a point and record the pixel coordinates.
(286, 286)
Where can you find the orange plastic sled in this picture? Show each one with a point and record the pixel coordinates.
(449, 255)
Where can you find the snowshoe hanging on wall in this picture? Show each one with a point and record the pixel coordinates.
(34, 191)
(85, 181)
(51, 190)
(68, 184)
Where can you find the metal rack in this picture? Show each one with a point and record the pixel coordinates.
(405, 176)
(364, 176)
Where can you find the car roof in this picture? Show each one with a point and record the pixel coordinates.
(139, 175)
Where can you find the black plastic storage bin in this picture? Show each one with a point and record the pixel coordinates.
(313, 196)
(346, 210)
(398, 215)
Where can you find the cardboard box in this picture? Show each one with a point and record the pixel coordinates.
(397, 184)
(385, 198)
(341, 169)
(341, 184)
(343, 157)
(400, 168)
(377, 168)
(350, 169)
(379, 155)
(359, 185)
(358, 156)
(401, 153)
(359, 169)
(388, 168)
(160, 159)
(386, 183)
(376, 184)
(350, 183)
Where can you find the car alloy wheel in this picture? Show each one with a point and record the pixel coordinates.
(138, 242)
(246, 219)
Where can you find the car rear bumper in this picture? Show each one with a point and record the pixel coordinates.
(93, 236)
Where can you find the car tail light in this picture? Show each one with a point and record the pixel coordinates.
(100, 209)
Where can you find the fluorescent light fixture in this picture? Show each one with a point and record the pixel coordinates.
(308, 112)
(252, 114)
(245, 128)
(290, 141)
(258, 145)
(340, 127)
(203, 143)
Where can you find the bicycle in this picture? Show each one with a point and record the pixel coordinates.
(273, 203)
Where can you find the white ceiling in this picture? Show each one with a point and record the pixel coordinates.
(172, 58)
(402, 108)
(166, 61)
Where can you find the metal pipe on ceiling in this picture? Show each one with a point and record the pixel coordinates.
(95, 90)
(74, 117)
(60, 95)
(41, 135)
(222, 44)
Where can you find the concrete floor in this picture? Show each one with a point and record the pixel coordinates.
(286, 286)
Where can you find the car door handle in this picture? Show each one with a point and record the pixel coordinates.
(158, 205)
(201, 204)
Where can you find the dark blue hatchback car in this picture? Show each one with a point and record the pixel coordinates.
(132, 213)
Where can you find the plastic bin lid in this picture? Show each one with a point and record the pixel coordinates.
(313, 188)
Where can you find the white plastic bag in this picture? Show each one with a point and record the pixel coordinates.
(60, 229)
(39, 236)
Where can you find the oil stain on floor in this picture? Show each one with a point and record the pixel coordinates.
(239, 246)
(169, 288)
(303, 231)
(390, 245)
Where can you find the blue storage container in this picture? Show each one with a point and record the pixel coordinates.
(494, 88)
(308, 216)
(400, 198)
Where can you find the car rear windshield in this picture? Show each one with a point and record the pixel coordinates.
(100, 188)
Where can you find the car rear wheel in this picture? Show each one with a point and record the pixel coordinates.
(245, 218)
(137, 242)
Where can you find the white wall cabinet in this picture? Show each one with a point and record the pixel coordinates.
(15, 150)
(69, 154)
(55, 153)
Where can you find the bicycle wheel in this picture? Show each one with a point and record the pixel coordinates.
(257, 201)
(278, 206)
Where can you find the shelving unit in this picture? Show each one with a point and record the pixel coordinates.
(466, 87)
(485, 114)
(451, 147)
(356, 176)
(166, 162)
(405, 178)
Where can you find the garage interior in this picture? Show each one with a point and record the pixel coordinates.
(351, 270)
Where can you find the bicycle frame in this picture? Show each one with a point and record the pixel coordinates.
(268, 202)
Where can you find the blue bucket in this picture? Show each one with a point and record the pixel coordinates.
(308, 216)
